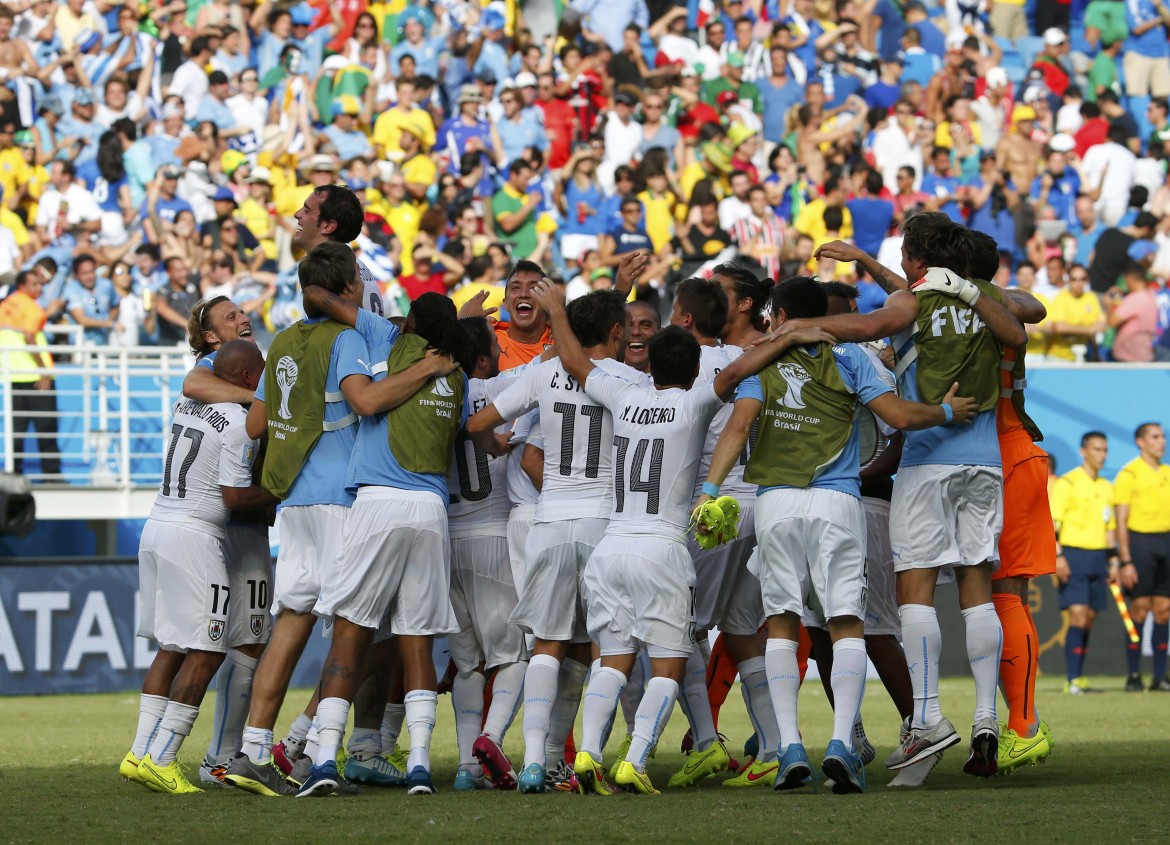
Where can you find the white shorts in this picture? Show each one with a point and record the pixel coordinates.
(943, 515)
(727, 595)
(881, 600)
(483, 596)
(184, 588)
(551, 598)
(811, 551)
(641, 595)
(519, 527)
(248, 555)
(396, 563)
(574, 246)
(311, 538)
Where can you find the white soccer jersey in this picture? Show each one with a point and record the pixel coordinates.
(657, 442)
(712, 360)
(208, 448)
(577, 434)
(477, 484)
(521, 490)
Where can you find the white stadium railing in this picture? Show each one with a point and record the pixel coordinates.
(112, 414)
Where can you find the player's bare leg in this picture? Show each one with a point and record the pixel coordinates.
(290, 633)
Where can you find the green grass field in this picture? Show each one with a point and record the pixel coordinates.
(1108, 780)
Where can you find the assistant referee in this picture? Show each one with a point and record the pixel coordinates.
(1086, 560)
(1141, 496)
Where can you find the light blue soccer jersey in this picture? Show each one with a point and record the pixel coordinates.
(372, 462)
(860, 377)
(321, 480)
(975, 444)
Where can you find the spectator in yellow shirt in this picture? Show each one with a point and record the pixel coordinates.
(1141, 495)
(811, 220)
(418, 170)
(390, 124)
(1075, 316)
(1086, 560)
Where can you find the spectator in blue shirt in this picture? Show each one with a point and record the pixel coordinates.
(213, 108)
(345, 131)
(493, 57)
(1147, 49)
(90, 301)
(884, 93)
(778, 93)
(941, 186)
(415, 44)
(1059, 184)
(872, 215)
(79, 123)
(609, 18)
(519, 130)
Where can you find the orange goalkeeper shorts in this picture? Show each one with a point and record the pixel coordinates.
(1027, 546)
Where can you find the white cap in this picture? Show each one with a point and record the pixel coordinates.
(955, 39)
(997, 78)
(1054, 37)
(1033, 93)
(386, 170)
(1062, 143)
(524, 79)
(259, 174)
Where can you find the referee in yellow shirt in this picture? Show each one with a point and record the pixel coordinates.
(1082, 510)
(1141, 496)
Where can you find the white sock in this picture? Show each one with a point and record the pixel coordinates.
(258, 745)
(467, 702)
(753, 679)
(233, 696)
(984, 647)
(507, 693)
(150, 713)
(653, 714)
(783, 688)
(172, 730)
(632, 693)
(313, 740)
(540, 693)
(364, 743)
(695, 703)
(922, 640)
(294, 741)
(332, 714)
(392, 718)
(421, 707)
(848, 680)
(570, 685)
(601, 698)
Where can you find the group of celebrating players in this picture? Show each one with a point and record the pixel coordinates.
(574, 498)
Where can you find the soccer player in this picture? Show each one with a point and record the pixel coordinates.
(727, 595)
(524, 335)
(396, 557)
(302, 406)
(1141, 496)
(185, 587)
(483, 593)
(640, 578)
(247, 553)
(946, 508)
(571, 517)
(642, 322)
(1082, 510)
(809, 518)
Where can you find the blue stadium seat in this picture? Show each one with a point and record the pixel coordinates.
(1016, 74)
(1029, 46)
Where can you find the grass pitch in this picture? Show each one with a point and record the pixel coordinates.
(1108, 780)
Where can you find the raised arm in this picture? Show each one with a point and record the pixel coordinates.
(551, 298)
(910, 416)
(842, 251)
(898, 313)
(731, 441)
(757, 358)
(203, 385)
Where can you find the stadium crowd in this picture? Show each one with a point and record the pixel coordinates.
(154, 155)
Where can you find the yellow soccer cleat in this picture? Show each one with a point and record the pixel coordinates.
(758, 773)
(1016, 751)
(128, 768)
(169, 779)
(699, 765)
(590, 775)
(631, 780)
(398, 757)
(1047, 731)
(624, 747)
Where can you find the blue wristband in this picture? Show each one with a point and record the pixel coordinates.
(711, 490)
(948, 410)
